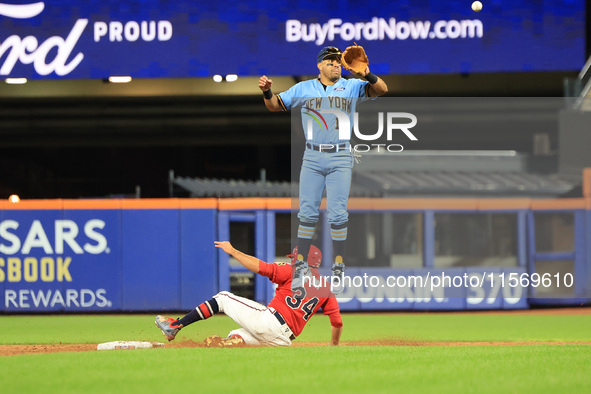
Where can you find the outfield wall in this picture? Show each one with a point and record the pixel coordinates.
(157, 254)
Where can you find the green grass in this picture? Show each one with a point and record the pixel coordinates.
(347, 369)
(458, 327)
(33, 329)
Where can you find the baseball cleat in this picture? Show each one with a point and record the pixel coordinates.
(338, 271)
(215, 341)
(165, 325)
(301, 270)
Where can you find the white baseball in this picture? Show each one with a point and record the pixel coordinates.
(476, 6)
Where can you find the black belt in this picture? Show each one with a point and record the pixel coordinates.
(282, 321)
(324, 147)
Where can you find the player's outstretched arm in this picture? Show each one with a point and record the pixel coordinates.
(249, 262)
(335, 335)
(271, 100)
(377, 88)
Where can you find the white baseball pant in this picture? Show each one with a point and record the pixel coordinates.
(259, 324)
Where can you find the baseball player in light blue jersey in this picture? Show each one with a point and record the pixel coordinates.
(328, 158)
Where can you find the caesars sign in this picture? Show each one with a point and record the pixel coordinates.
(31, 257)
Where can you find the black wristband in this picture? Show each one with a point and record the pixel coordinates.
(268, 94)
(371, 78)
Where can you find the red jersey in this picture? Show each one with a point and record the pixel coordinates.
(297, 311)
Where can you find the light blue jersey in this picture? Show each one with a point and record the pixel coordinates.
(312, 97)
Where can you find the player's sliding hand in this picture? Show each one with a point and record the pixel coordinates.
(265, 83)
(225, 246)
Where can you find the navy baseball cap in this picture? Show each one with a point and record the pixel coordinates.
(327, 52)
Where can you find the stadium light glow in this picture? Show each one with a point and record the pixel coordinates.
(119, 79)
(16, 81)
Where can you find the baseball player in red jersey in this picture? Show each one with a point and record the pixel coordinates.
(277, 324)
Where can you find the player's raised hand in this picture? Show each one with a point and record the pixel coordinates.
(265, 83)
(364, 72)
(225, 246)
(249, 262)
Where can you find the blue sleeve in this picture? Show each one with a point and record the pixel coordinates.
(363, 88)
(286, 98)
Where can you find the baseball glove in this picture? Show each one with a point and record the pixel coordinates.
(354, 59)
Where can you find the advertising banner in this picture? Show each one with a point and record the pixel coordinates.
(161, 39)
(51, 261)
(99, 260)
(435, 289)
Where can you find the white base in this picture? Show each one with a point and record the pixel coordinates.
(127, 345)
